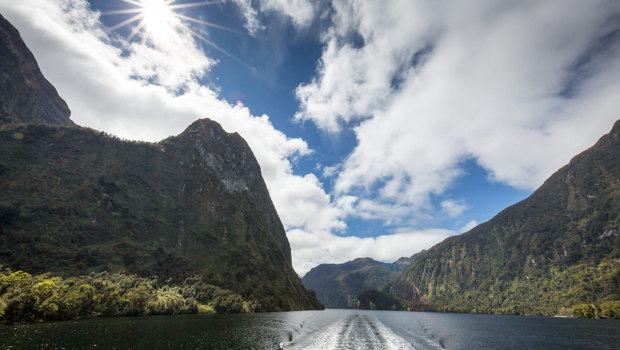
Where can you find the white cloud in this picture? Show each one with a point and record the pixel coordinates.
(252, 23)
(468, 226)
(519, 87)
(310, 249)
(329, 171)
(301, 12)
(453, 208)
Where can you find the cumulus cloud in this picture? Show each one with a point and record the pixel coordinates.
(518, 87)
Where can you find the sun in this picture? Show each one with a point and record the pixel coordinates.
(157, 14)
(157, 21)
(155, 17)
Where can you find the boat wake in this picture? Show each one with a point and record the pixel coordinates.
(357, 331)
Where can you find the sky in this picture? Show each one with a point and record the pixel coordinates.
(381, 127)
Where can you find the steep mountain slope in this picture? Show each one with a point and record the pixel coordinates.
(338, 285)
(25, 95)
(556, 249)
(73, 200)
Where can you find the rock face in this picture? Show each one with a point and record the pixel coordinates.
(556, 249)
(25, 95)
(74, 200)
(339, 285)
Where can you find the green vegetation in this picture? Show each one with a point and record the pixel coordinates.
(338, 285)
(608, 309)
(27, 298)
(556, 251)
(74, 201)
(376, 300)
(595, 285)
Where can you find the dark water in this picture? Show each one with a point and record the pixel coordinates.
(324, 330)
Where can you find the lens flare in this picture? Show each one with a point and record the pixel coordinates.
(157, 21)
(17, 135)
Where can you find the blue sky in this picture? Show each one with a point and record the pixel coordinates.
(381, 127)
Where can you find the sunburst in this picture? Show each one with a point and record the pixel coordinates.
(157, 20)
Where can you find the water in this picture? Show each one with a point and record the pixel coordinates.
(323, 330)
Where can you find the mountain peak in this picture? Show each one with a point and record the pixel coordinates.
(205, 124)
(616, 128)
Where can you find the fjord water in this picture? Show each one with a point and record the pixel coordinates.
(329, 329)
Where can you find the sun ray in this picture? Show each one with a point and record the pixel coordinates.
(133, 2)
(215, 46)
(135, 30)
(209, 24)
(194, 4)
(121, 12)
(158, 20)
(137, 17)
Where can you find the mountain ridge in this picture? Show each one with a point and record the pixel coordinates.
(339, 285)
(539, 248)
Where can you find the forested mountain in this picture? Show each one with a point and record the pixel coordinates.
(75, 201)
(339, 285)
(556, 250)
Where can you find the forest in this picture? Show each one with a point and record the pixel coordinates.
(28, 298)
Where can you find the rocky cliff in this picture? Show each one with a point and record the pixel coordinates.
(25, 95)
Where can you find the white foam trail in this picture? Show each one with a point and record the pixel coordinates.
(357, 331)
(325, 339)
(393, 340)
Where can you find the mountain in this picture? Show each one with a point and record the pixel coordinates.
(377, 300)
(402, 263)
(75, 201)
(557, 250)
(25, 95)
(339, 285)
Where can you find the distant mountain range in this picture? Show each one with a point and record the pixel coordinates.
(75, 200)
(339, 285)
